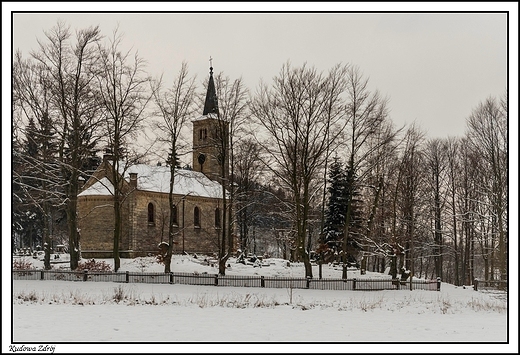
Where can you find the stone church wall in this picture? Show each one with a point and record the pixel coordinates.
(149, 235)
(141, 237)
(96, 224)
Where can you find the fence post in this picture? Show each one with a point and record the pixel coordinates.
(411, 284)
(438, 283)
(475, 285)
(262, 281)
(398, 282)
(354, 283)
(216, 279)
(127, 277)
(308, 281)
(171, 277)
(41, 275)
(85, 275)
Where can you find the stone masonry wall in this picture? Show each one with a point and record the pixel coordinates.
(141, 238)
(96, 223)
(147, 236)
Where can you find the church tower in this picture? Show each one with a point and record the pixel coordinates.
(211, 138)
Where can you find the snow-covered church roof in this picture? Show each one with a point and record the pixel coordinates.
(157, 179)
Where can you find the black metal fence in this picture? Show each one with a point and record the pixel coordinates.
(490, 285)
(364, 284)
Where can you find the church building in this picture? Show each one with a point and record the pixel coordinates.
(197, 196)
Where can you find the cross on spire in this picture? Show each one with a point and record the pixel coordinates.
(211, 104)
(210, 63)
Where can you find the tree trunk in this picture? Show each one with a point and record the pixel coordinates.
(46, 236)
(345, 240)
(72, 222)
(225, 238)
(438, 232)
(169, 253)
(117, 233)
(393, 266)
(350, 183)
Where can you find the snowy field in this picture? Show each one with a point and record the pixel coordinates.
(96, 314)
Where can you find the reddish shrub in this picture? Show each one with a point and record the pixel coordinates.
(94, 265)
(22, 264)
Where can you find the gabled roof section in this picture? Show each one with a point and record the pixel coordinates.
(157, 179)
(186, 182)
(211, 103)
(102, 187)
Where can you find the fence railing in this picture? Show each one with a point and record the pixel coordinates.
(490, 285)
(364, 284)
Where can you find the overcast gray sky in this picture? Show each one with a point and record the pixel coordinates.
(434, 67)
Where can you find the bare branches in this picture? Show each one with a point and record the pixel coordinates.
(301, 115)
(124, 91)
(55, 93)
(175, 106)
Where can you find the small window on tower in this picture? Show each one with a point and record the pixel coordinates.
(174, 215)
(217, 217)
(196, 217)
(200, 134)
(151, 214)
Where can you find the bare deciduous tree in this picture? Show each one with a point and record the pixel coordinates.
(302, 116)
(40, 179)
(70, 72)
(412, 178)
(378, 176)
(487, 133)
(176, 106)
(366, 115)
(232, 108)
(247, 168)
(124, 93)
(436, 164)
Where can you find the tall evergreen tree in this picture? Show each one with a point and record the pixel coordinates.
(336, 206)
(340, 194)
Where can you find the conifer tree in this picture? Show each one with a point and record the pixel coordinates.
(335, 215)
(340, 193)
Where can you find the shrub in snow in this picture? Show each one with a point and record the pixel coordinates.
(119, 294)
(27, 297)
(94, 265)
(22, 264)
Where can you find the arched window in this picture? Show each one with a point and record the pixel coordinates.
(151, 214)
(174, 215)
(196, 217)
(217, 217)
(203, 133)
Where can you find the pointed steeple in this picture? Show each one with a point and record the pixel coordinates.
(211, 104)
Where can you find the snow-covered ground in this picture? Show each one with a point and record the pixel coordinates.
(96, 313)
